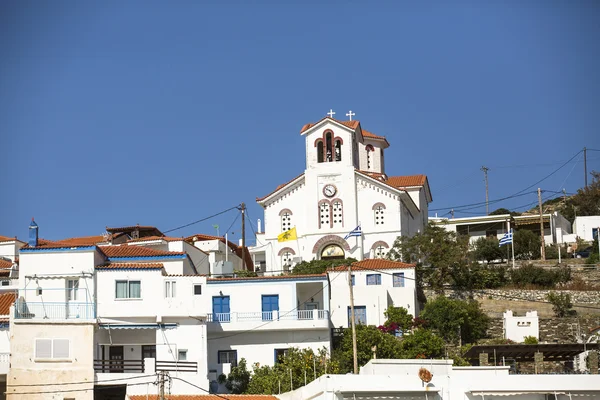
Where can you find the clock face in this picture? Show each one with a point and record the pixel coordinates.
(329, 190)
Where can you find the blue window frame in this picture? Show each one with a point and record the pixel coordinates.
(374, 279)
(353, 280)
(220, 309)
(398, 279)
(270, 303)
(227, 356)
(360, 315)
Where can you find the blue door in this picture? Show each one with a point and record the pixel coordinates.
(270, 303)
(360, 315)
(221, 309)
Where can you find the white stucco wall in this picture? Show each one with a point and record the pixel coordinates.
(518, 327)
(10, 249)
(582, 226)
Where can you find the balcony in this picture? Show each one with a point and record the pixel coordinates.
(271, 320)
(147, 365)
(54, 310)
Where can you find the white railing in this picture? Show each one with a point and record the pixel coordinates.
(294, 315)
(54, 310)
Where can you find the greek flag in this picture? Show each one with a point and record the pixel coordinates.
(506, 239)
(354, 232)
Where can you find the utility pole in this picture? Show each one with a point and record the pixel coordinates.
(452, 213)
(543, 252)
(161, 385)
(585, 165)
(487, 199)
(352, 322)
(243, 208)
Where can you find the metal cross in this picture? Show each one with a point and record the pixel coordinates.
(331, 113)
(350, 114)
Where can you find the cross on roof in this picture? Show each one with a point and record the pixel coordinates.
(350, 114)
(331, 113)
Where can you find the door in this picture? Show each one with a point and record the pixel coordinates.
(148, 351)
(115, 355)
(310, 307)
(270, 303)
(221, 309)
(72, 290)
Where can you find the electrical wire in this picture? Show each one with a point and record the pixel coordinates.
(81, 383)
(200, 220)
(482, 203)
(77, 390)
(198, 387)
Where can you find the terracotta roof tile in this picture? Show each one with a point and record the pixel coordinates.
(406, 181)
(279, 187)
(131, 266)
(6, 300)
(5, 263)
(375, 264)
(205, 397)
(135, 252)
(372, 135)
(350, 124)
(9, 239)
(52, 244)
(82, 241)
(149, 238)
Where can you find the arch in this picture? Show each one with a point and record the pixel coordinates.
(321, 202)
(341, 211)
(317, 140)
(320, 151)
(332, 252)
(379, 243)
(369, 147)
(375, 206)
(330, 239)
(285, 210)
(286, 250)
(328, 135)
(337, 149)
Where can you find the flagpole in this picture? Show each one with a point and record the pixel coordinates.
(512, 244)
(297, 242)
(362, 244)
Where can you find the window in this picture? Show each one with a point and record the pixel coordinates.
(72, 288)
(286, 220)
(337, 213)
(52, 349)
(280, 354)
(320, 151)
(360, 315)
(270, 303)
(370, 149)
(228, 357)
(373, 279)
(5, 283)
(324, 214)
(221, 309)
(378, 211)
(328, 146)
(338, 150)
(170, 289)
(380, 251)
(128, 290)
(197, 290)
(182, 355)
(286, 260)
(353, 280)
(398, 279)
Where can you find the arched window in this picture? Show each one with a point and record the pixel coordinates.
(370, 149)
(320, 151)
(286, 220)
(338, 217)
(380, 251)
(324, 214)
(286, 259)
(328, 147)
(378, 213)
(338, 150)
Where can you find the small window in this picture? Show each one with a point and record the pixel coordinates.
(353, 280)
(52, 349)
(286, 221)
(170, 289)
(228, 356)
(43, 348)
(72, 289)
(5, 283)
(197, 290)
(373, 279)
(280, 355)
(398, 279)
(182, 355)
(128, 289)
(360, 315)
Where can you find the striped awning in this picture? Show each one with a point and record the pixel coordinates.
(138, 326)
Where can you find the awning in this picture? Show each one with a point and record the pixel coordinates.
(138, 326)
(515, 393)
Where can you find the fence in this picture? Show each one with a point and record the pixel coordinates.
(54, 310)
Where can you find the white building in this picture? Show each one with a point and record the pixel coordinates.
(399, 379)
(9, 267)
(343, 185)
(586, 228)
(517, 328)
(376, 285)
(555, 226)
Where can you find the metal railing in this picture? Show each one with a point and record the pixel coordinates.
(54, 310)
(294, 315)
(119, 366)
(180, 366)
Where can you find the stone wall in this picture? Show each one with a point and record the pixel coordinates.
(553, 330)
(577, 296)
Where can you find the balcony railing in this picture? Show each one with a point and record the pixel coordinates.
(295, 315)
(53, 310)
(139, 366)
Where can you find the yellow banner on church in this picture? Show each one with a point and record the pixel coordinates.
(287, 235)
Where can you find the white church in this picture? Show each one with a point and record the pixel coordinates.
(344, 186)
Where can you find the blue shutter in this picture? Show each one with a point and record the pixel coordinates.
(270, 303)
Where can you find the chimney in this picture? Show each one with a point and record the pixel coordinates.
(33, 234)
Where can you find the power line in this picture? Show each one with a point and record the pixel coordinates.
(200, 220)
(198, 387)
(81, 383)
(481, 203)
(80, 390)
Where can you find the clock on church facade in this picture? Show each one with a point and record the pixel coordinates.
(343, 186)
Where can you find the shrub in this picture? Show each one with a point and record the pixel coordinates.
(552, 252)
(530, 340)
(561, 304)
(527, 245)
(487, 249)
(477, 276)
(530, 275)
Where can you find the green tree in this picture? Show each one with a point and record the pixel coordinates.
(504, 211)
(488, 249)
(530, 340)
(239, 378)
(451, 318)
(438, 250)
(477, 276)
(319, 266)
(561, 304)
(585, 202)
(527, 245)
(422, 343)
(398, 318)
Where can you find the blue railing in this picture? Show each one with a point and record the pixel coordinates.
(54, 310)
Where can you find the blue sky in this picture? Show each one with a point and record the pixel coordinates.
(117, 113)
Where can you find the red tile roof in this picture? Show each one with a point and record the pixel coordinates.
(82, 241)
(370, 135)
(52, 244)
(132, 228)
(6, 300)
(135, 251)
(5, 263)
(131, 266)
(406, 181)
(9, 239)
(375, 264)
(205, 397)
(350, 124)
(150, 238)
